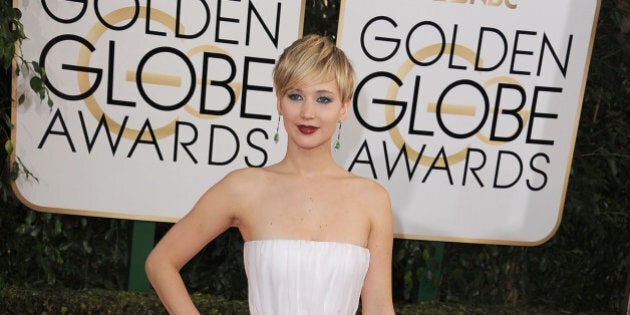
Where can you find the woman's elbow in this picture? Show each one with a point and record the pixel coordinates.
(151, 265)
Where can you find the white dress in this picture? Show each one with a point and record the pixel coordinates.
(298, 277)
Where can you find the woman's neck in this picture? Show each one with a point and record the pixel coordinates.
(314, 162)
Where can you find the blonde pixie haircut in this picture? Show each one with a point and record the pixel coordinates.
(311, 60)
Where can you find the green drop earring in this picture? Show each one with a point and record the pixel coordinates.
(337, 143)
(276, 136)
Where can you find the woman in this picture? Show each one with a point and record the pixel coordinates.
(316, 236)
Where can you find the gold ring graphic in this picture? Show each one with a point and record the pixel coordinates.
(92, 104)
(235, 86)
(392, 93)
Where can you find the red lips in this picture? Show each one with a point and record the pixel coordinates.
(307, 130)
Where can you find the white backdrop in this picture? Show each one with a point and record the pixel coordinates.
(431, 77)
(172, 147)
(185, 94)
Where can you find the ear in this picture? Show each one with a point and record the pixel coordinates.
(343, 112)
(278, 106)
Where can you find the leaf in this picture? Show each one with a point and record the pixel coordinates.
(426, 255)
(612, 164)
(15, 171)
(21, 98)
(86, 247)
(16, 168)
(7, 120)
(58, 225)
(36, 84)
(8, 146)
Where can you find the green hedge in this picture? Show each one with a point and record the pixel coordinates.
(16, 300)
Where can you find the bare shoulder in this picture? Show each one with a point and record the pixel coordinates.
(239, 186)
(368, 186)
(370, 193)
(245, 178)
(236, 192)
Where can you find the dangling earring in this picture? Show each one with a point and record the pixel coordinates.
(276, 136)
(337, 143)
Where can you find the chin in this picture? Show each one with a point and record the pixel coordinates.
(310, 145)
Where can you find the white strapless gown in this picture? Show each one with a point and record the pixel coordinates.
(298, 277)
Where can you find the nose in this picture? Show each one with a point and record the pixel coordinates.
(307, 111)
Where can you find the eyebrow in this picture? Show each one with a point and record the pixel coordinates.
(324, 91)
(316, 91)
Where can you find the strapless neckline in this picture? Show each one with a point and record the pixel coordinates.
(304, 277)
(314, 242)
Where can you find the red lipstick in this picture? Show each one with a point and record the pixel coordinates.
(307, 130)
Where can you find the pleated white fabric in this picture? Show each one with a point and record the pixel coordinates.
(299, 277)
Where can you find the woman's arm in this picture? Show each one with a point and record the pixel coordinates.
(376, 296)
(212, 215)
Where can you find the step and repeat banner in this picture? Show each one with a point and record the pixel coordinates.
(466, 111)
(154, 101)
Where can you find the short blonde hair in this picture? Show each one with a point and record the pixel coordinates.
(310, 60)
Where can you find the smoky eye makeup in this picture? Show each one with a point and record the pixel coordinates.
(324, 99)
(294, 96)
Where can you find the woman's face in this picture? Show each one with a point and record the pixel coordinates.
(312, 113)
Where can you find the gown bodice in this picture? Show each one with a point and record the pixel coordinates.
(299, 277)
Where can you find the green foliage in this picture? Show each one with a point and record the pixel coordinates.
(219, 268)
(321, 17)
(13, 32)
(416, 268)
(53, 302)
(44, 249)
(11, 36)
(16, 300)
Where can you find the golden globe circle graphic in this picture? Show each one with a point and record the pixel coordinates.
(453, 109)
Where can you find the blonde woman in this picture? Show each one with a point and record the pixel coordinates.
(317, 238)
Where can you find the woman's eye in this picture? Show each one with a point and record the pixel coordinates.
(323, 100)
(294, 97)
